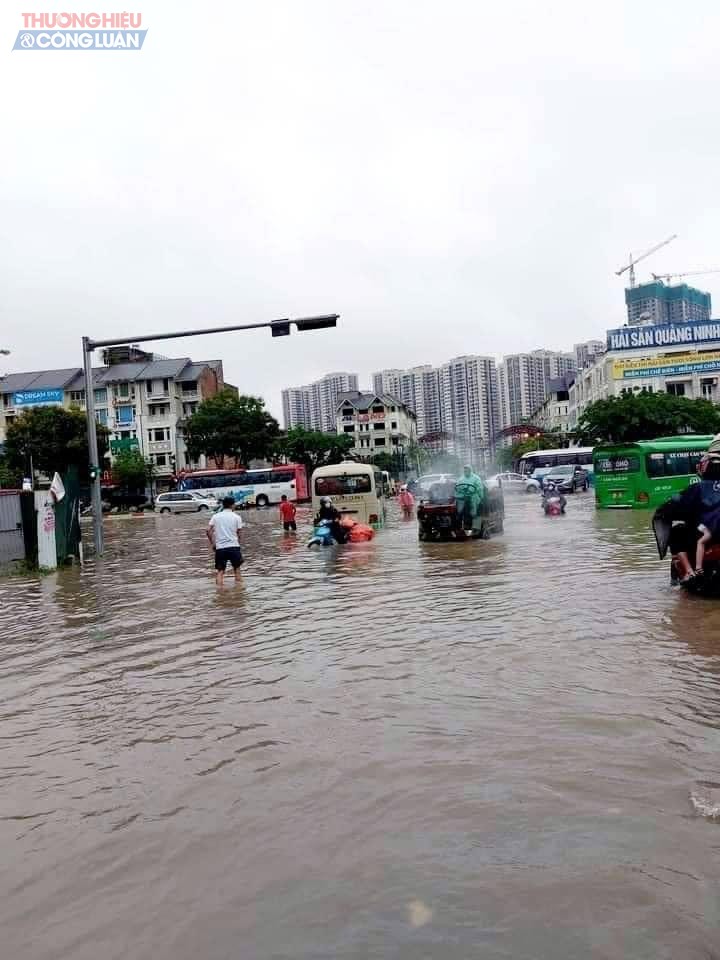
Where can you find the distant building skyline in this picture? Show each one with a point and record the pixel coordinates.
(523, 381)
(314, 406)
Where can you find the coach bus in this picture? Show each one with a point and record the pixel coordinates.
(645, 474)
(541, 459)
(249, 487)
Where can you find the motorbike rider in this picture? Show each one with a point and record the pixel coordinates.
(550, 492)
(697, 506)
(328, 512)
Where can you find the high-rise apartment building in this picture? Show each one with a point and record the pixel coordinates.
(419, 389)
(456, 404)
(296, 407)
(315, 405)
(470, 404)
(658, 303)
(523, 381)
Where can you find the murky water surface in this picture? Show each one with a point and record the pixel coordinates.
(385, 750)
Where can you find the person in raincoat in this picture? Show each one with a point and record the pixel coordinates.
(470, 494)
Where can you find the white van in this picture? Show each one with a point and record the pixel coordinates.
(354, 488)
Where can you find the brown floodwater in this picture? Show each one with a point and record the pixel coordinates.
(507, 749)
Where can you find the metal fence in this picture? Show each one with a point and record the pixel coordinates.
(12, 544)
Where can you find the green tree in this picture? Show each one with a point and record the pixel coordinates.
(387, 461)
(131, 471)
(644, 416)
(10, 477)
(230, 426)
(313, 448)
(54, 437)
(417, 457)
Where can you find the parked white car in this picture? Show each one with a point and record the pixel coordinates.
(514, 483)
(184, 502)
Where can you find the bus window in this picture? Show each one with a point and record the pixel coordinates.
(283, 476)
(340, 486)
(618, 464)
(678, 463)
(258, 477)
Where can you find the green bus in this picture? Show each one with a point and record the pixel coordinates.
(645, 474)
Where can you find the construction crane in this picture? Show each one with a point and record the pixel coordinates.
(631, 265)
(667, 277)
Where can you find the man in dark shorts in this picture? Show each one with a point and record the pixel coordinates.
(223, 532)
(287, 514)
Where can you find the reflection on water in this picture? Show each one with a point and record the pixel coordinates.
(386, 749)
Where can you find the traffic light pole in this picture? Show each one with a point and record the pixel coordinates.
(278, 328)
(93, 446)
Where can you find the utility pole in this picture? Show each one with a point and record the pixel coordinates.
(278, 328)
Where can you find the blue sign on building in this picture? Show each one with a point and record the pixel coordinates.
(664, 335)
(36, 398)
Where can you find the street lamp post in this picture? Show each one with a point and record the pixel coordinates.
(278, 328)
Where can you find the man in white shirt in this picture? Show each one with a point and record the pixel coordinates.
(223, 532)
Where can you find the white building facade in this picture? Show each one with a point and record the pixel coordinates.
(681, 359)
(553, 414)
(141, 400)
(378, 423)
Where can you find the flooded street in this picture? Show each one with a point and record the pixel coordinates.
(389, 749)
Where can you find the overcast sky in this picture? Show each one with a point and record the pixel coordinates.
(451, 177)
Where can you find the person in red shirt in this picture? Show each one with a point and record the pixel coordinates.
(287, 514)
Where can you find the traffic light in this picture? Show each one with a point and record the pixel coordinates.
(94, 474)
(280, 328)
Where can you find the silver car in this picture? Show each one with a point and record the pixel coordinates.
(179, 502)
(514, 483)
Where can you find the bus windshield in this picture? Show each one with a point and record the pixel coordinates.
(622, 463)
(342, 485)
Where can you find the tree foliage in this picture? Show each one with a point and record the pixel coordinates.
(313, 449)
(644, 416)
(417, 457)
(10, 477)
(228, 426)
(54, 437)
(131, 470)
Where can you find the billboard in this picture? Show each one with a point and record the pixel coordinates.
(124, 445)
(37, 398)
(664, 335)
(674, 365)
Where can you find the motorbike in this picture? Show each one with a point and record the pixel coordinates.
(322, 534)
(346, 530)
(708, 584)
(553, 502)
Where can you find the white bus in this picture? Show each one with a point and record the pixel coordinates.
(357, 489)
(542, 459)
(248, 487)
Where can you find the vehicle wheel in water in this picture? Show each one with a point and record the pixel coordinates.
(164, 509)
(261, 501)
(531, 489)
(203, 506)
